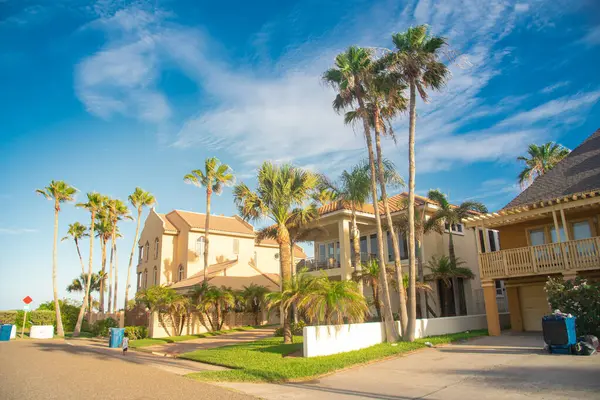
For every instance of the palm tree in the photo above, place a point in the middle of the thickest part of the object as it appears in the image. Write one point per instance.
(77, 231)
(215, 301)
(370, 275)
(213, 178)
(280, 190)
(444, 269)
(352, 77)
(94, 204)
(166, 302)
(117, 210)
(255, 299)
(59, 192)
(79, 285)
(332, 302)
(103, 227)
(540, 160)
(416, 59)
(138, 200)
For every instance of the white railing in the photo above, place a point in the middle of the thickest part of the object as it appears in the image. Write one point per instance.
(543, 259)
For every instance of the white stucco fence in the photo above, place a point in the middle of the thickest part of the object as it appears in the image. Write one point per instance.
(328, 339)
(41, 332)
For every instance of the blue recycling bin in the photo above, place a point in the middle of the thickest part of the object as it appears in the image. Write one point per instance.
(5, 331)
(116, 337)
(559, 333)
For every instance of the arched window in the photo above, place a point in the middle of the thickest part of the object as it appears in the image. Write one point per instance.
(140, 254)
(139, 279)
(146, 251)
(155, 276)
(200, 246)
(155, 248)
(180, 273)
(145, 278)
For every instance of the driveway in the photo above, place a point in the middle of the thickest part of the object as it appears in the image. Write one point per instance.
(505, 367)
(173, 349)
(68, 370)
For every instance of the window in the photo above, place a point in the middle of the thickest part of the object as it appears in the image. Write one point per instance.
(364, 251)
(492, 238)
(155, 280)
(456, 228)
(146, 251)
(236, 246)
(322, 254)
(200, 246)
(255, 258)
(156, 248)
(180, 273)
(139, 279)
(337, 252)
(499, 288)
(537, 237)
(556, 239)
(145, 278)
(141, 252)
(581, 230)
(482, 241)
(402, 243)
(374, 245)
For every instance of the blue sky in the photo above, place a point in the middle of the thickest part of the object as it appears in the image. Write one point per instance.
(110, 95)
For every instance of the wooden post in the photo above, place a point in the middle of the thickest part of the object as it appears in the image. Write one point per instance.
(564, 224)
(23, 327)
(560, 240)
(491, 308)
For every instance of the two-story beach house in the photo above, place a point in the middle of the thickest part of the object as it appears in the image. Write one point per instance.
(550, 229)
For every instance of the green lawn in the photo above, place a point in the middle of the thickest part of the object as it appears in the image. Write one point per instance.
(265, 361)
(174, 339)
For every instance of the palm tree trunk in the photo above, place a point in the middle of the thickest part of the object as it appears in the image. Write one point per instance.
(412, 292)
(59, 325)
(110, 271)
(423, 295)
(116, 277)
(137, 231)
(88, 281)
(80, 258)
(376, 301)
(388, 317)
(356, 263)
(206, 228)
(388, 215)
(103, 243)
(283, 239)
(451, 251)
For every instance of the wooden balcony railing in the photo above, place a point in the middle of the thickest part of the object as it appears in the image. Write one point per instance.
(544, 259)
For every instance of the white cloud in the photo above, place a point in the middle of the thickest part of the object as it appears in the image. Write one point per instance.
(521, 7)
(592, 37)
(556, 86)
(16, 231)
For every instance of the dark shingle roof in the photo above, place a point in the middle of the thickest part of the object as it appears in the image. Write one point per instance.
(576, 173)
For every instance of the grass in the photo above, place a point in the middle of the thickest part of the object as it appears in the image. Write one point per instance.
(138, 343)
(265, 361)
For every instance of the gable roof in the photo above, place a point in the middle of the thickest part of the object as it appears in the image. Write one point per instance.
(217, 222)
(578, 172)
(198, 277)
(396, 203)
(298, 251)
(169, 227)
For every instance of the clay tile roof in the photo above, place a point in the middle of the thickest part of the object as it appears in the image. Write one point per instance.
(198, 277)
(168, 225)
(578, 172)
(298, 251)
(396, 203)
(217, 222)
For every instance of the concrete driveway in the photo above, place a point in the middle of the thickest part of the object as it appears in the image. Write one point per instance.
(505, 367)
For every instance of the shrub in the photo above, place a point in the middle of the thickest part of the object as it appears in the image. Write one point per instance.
(8, 317)
(37, 317)
(68, 312)
(579, 298)
(136, 332)
(100, 328)
(296, 329)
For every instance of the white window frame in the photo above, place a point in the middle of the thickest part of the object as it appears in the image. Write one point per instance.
(145, 278)
(155, 275)
(180, 273)
(454, 228)
(146, 251)
(156, 243)
(200, 246)
(236, 247)
(500, 289)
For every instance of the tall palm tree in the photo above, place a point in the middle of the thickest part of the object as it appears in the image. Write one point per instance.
(213, 178)
(370, 274)
(117, 210)
(417, 60)
(352, 77)
(138, 200)
(77, 231)
(540, 160)
(103, 227)
(280, 190)
(255, 299)
(58, 192)
(79, 285)
(448, 271)
(95, 202)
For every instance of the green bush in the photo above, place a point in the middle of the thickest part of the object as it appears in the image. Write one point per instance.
(100, 328)
(69, 313)
(579, 298)
(8, 317)
(136, 332)
(37, 317)
(296, 329)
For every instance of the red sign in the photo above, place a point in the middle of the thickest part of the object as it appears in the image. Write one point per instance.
(27, 300)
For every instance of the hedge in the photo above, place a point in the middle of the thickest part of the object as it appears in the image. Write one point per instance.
(8, 317)
(580, 298)
(136, 332)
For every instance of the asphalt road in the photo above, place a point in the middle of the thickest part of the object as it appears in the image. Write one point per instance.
(55, 369)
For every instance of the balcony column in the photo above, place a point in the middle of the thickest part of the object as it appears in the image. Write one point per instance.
(514, 308)
(345, 254)
(564, 224)
(491, 308)
(561, 243)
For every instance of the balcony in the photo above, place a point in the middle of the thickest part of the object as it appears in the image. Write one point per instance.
(319, 265)
(574, 255)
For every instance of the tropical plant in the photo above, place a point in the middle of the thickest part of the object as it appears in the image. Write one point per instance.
(117, 210)
(213, 178)
(255, 299)
(539, 160)
(444, 269)
(166, 302)
(280, 191)
(59, 192)
(77, 231)
(138, 200)
(103, 228)
(352, 77)
(370, 274)
(94, 204)
(79, 285)
(214, 303)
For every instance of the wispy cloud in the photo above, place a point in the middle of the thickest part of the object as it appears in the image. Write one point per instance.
(556, 86)
(16, 231)
(591, 37)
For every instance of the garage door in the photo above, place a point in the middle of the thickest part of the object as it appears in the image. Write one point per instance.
(533, 306)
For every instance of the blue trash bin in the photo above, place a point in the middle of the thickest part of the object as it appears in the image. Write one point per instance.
(116, 337)
(5, 331)
(559, 333)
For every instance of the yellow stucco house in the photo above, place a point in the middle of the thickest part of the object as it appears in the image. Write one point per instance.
(332, 253)
(550, 229)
